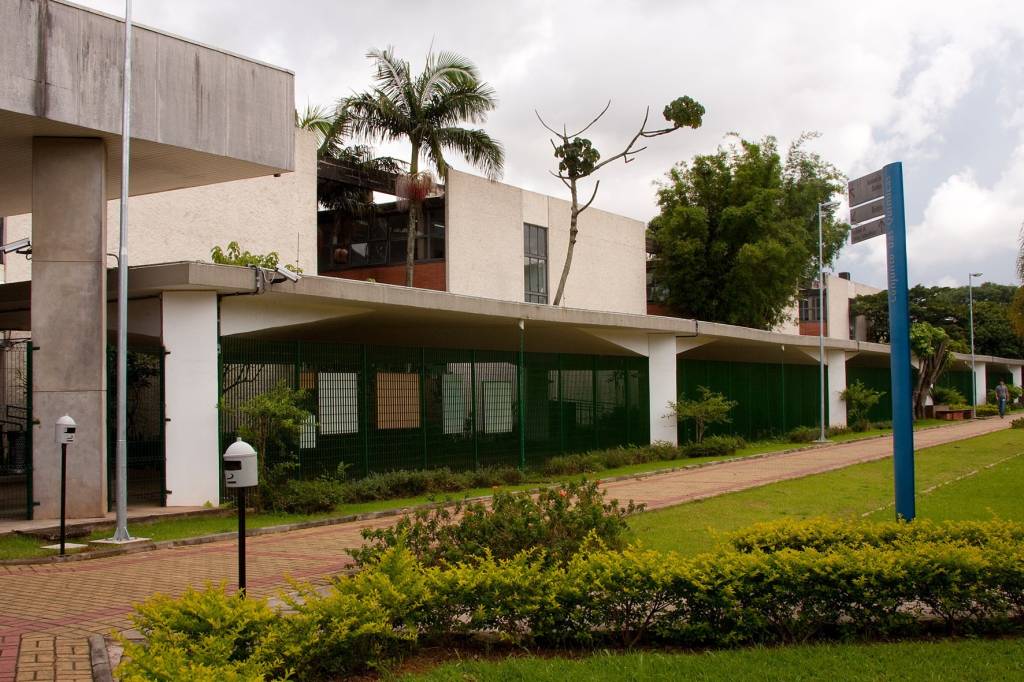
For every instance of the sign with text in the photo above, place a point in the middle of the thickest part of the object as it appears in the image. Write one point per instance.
(866, 212)
(866, 188)
(860, 233)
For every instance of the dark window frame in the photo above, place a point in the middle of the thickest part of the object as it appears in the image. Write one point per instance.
(535, 253)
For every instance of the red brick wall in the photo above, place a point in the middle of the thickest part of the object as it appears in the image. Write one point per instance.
(425, 275)
(811, 329)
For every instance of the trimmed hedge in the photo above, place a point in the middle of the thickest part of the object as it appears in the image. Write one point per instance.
(601, 597)
(826, 534)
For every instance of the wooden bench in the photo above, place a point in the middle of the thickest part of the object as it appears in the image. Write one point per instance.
(953, 415)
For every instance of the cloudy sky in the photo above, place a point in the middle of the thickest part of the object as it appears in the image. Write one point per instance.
(937, 85)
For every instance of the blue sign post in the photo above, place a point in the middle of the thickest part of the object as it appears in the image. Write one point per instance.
(899, 341)
(876, 204)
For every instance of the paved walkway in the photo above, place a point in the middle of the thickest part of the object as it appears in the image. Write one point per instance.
(48, 610)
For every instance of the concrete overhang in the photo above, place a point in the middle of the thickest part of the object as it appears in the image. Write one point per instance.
(199, 115)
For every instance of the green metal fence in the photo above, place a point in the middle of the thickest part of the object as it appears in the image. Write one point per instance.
(994, 376)
(381, 408)
(772, 398)
(16, 430)
(145, 427)
(878, 379)
(960, 380)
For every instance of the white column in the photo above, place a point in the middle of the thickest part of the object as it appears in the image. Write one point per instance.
(661, 357)
(1015, 375)
(836, 361)
(190, 390)
(980, 383)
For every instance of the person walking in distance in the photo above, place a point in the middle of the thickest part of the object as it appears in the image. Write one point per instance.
(1002, 395)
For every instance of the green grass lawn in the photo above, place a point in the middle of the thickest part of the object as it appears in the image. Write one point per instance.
(853, 491)
(959, 660)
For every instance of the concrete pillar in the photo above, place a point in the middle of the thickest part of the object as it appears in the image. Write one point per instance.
(836, 368)
(69, 253)
(190, 394)
(980, 382)
(1015, 375)
(661, 359)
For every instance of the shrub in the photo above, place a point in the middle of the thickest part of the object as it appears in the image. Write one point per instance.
(944, 395)
(203, 635)
(1017, 423)
(793, 583)
(714, 446)
(710, 408)
(803, 434)
(986, 411)
(827, 534)
(296, 496)
(859, 401)
(838, 431)
(558, 519)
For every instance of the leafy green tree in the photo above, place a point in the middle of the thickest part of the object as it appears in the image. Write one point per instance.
(859, 400)
(931, 346)
(427, 110)
(737, 234)
(947, 308)
(234, 255)
(272, 423)
(710, 408)
(579, 159)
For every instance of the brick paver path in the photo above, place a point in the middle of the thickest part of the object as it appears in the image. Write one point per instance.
(48, 610)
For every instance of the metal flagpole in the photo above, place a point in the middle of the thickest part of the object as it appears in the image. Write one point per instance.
(121, 534)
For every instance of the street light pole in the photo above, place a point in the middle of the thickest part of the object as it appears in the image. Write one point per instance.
(970, 309)
(822, 438)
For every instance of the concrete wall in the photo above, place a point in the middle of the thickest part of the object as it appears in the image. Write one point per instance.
(262, 214)
(62, 62)
(485, 247)
(190, 391)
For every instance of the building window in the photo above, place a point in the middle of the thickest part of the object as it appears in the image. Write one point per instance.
(809, 305)
(377, 237)
(535, 267)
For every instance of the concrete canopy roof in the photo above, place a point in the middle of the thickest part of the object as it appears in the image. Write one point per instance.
(199, 115)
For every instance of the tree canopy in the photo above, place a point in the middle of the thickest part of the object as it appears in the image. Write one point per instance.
(427, 109)
(737, 234)
(947, 309)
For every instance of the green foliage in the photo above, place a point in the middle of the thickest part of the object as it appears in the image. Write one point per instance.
(713, 446)
(783, 583)
(1017, 423)
(803, 434)
(859, 400)
(947, 308)
(272, 423)
(737, 234)
(577, 159)
(826, 534)
(986, 410)
(234, 255)
(559, 519)
(684, 112)
(203, 635)
(710, 408)
(944, 395)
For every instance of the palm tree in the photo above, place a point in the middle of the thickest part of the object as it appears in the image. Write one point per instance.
(427, 110)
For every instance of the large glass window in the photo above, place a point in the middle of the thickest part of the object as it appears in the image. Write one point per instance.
(378, 237)
(535, 267)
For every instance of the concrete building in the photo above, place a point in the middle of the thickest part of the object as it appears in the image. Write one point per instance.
(472, 368)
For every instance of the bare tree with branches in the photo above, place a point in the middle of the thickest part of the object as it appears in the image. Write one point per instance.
(578, 159)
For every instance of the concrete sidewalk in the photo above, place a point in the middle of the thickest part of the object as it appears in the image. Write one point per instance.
(50, 609)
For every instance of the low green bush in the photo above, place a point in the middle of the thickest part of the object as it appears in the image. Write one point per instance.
(599, 460)
(986, 411)
(714, 446)
(944, 395)
(826, 534)
(803, 434)
(1017, 423)
(559, 519)
(863, 582)
(297, 496)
